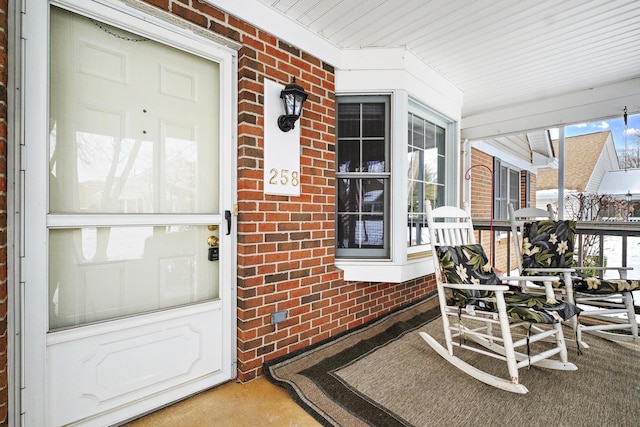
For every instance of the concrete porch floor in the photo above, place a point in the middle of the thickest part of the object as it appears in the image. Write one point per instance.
(256, 403)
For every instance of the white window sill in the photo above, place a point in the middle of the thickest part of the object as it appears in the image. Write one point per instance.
(385, 271)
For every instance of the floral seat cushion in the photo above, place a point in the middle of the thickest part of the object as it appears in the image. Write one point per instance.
(594, 285)
(469, 264)
(549, 244)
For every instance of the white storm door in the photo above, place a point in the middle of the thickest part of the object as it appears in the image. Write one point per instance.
(139, 309)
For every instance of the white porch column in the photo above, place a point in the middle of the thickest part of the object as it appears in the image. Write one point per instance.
(561, 172)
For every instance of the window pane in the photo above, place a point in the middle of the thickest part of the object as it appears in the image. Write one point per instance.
(429, 135)
(425, 174)
(361, 205)
(418, 231)
(514, 188)
(109, 272)
(373, 120)
(373, 195)
(371, 232)
(414, 164)
(440, 139)
(440, 194)
(348, 155)
(346, 231)
(504, 179)
(373, 155)
(348, 197)
(431, 193)
(417, 136)
(349, 122)
(413, 204)
(431, 158)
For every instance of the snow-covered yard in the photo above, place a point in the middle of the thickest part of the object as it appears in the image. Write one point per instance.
(613, 255)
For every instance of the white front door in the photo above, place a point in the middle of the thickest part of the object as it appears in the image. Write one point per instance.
(129, 265)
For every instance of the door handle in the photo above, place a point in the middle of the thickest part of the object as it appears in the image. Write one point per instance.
(227, 217)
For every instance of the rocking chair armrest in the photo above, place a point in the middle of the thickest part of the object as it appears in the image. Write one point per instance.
(622, 271)
(531, 278)
(546, 281)
(604, 268)
(471, 286)
(551, 270)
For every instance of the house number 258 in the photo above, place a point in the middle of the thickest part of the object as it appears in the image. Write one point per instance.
(283, 177)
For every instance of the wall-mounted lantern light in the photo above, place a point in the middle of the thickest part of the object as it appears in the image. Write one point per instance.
(293, 96)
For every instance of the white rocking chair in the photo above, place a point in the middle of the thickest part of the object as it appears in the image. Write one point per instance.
(470, 292)
(607, 303)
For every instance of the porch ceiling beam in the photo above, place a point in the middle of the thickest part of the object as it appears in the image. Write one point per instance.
(592, 104)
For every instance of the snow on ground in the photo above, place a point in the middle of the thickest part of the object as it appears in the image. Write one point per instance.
(613, 256)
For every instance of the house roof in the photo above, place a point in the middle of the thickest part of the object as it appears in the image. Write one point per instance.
(621, 182)
(581, 156)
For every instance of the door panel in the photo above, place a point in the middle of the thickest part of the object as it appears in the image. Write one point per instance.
(116, 364)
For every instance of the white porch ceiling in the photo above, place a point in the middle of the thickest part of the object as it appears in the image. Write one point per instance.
(501, 53)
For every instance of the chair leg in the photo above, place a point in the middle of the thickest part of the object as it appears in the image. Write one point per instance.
(571, 298)
(507, 341)
(631, 313)
(564, 357)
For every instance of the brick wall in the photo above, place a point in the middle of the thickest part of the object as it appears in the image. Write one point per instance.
(286, 244)
(481, 182)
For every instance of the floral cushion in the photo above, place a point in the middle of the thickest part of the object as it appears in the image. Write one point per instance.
(549, 244)
(594, 285)
(469, 264)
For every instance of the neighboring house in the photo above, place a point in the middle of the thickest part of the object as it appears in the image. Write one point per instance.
(624, 184)
(510, 164)
(588, 159)
(621, 183)
(514, 160)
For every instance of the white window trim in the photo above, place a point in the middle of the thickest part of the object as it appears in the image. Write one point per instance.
(382, 272)
(404, 264)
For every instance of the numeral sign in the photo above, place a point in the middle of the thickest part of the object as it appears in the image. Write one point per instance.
(284, 177)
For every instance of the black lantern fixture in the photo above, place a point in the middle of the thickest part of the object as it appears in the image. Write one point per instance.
(293, 96)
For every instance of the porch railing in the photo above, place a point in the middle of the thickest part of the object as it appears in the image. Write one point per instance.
(623, 239)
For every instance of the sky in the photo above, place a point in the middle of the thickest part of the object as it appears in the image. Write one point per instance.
(616, 126)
